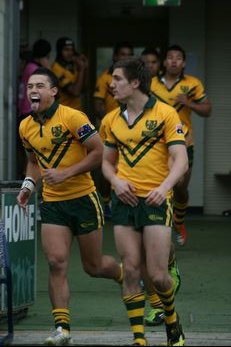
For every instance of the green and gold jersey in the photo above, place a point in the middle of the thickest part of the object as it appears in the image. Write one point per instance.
(66, 77)
(58, 143)
(143, 146)
(103, 91)
(189, 85)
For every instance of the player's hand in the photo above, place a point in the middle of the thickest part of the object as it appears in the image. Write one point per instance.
(23, 198)
(125, 192)
(182, 99)
(156, 197)
(54, 176)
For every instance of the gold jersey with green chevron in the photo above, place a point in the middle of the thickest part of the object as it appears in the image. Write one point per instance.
(143, 146)
(66, 77)
(186, 84)
(103, 90)
(58, 144)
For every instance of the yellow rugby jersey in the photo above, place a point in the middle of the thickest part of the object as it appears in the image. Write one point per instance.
(103, 91)
(58, 144)
(143, 146)
(189, 85)
(65, 77)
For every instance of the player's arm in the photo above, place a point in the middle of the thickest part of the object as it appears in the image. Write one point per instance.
(78, 85)
(202, 108)
(123, 189)
(178, 167)
(110, 157)
(32, 176)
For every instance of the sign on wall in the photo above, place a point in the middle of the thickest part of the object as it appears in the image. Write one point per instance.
(20, 232)
(161, 2)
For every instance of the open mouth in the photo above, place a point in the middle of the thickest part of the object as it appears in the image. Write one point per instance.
(35, 101)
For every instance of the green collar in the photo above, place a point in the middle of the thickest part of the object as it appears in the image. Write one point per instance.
(49, 113)
(149, 104)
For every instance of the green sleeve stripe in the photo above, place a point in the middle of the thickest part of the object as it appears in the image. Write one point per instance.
(177, 142)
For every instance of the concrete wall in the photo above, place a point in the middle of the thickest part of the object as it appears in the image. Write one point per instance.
(188, 22)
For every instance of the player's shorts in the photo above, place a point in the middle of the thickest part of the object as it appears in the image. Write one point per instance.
(141, 215)
(82, 215)
(190, 152)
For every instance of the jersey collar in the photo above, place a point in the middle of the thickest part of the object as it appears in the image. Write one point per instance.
(149, 104)
(49, 113)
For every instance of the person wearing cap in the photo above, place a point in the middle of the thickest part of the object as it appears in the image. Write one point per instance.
(70, 68)
(40, 58)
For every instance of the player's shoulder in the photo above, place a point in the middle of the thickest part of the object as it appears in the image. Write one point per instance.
(69, 112)
(164, 108)
(191, 78)
(110, 116)
(105, 74)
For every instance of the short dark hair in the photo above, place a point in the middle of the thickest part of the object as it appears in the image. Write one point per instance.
(176, 48)
(122, 44)
(151, 50)
(62, 42)
(52, 77)
(41, 48)
(135, 68)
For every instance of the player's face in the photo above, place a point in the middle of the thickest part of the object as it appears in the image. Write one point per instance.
(68, 53)
(152, 63)
(174, 63)
(40, 93)
(124, 52)
(121, 87)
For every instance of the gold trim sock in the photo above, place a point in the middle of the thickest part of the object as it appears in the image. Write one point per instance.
(180, 210)
(135, 310)
(62, 318)
(155, 301)
(167, 299)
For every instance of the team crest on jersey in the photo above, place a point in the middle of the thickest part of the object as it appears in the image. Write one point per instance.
(151, 126)
(184, 89)
(57, 133)
(179, 129)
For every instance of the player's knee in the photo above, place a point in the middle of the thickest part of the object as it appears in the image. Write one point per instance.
(161, 281)
(57, 264)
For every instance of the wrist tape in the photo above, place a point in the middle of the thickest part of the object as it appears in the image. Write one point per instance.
(29, 184)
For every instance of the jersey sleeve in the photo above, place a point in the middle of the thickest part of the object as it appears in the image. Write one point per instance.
(105, 132)
(174, 133)
(80, 126)
(199, 92)
(64, 76)
(22, 132)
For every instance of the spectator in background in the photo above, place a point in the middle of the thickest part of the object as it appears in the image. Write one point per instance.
(104, 101)
(151, 57)
(70, 67)
(40, 58)
(186, 94)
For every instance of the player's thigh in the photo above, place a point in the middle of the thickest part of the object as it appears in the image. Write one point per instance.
(90, 246)
(128, 243)
(157, 244)
(56, 241)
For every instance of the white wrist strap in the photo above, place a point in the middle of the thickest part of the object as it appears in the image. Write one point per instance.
(29, 184)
